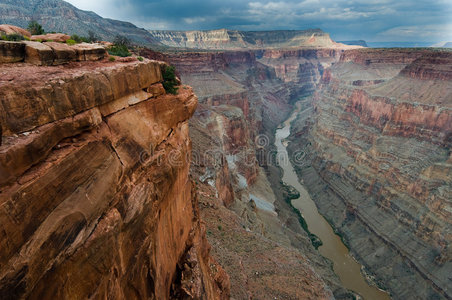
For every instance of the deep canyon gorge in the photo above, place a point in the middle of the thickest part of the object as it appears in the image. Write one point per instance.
(371, 145)
(286, 166)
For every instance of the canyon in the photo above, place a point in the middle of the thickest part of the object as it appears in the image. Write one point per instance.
(283, 155)
(371, 146)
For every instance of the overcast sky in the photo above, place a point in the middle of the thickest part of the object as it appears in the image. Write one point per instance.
(371, 20)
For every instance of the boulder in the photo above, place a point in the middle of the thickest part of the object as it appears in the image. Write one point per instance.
(54, 37)
(38, 54)
(11, 29)
(11, 52)
(63, 53)
(85, 51)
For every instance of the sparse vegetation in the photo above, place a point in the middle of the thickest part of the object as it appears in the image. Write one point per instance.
(169, 79)
(92, 38)
(120, 47)
(71, 42)
(111, 58)
(35, 28)
(15, 37)
(121, 51)
(140, 58)
(79, 39)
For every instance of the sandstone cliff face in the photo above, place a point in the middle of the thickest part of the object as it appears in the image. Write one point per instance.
(96, 199)
(377, 135)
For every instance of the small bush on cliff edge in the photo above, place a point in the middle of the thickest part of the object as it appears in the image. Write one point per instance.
(169, 79)
(120, 46)
(15, 37)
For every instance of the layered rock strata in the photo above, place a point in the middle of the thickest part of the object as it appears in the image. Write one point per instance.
(49, 53)
(224, 39)
(95, 195)
(243, 98)
(375, 141)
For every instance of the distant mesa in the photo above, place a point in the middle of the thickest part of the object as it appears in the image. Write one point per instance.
(224, 39)
(442, 45)
(355, 43)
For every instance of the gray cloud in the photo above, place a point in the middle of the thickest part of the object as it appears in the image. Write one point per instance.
(373, 20)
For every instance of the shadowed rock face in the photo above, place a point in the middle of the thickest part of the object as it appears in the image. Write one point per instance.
(379, 165)
(96, 200)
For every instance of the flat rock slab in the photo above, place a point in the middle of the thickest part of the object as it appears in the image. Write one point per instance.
(11, 29)
(11, 52)
(85, 51)
(54, 37)
(38, 54)
(63, 53)
(31, 96)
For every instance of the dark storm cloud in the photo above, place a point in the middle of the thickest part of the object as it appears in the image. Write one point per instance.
(384, 20)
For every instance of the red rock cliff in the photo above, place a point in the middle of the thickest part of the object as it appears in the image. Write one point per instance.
(95, 195)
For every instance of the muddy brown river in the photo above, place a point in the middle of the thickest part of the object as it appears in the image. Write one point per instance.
(348, 270)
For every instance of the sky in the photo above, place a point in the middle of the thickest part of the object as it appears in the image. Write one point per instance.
(371, 20)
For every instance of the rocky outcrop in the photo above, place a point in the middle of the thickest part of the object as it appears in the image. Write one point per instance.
(51, 37)
(96, 199)
(11, 52)
(11, 29)
(49, 53)
(377, 134)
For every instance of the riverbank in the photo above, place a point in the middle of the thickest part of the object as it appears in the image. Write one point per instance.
(348, 270)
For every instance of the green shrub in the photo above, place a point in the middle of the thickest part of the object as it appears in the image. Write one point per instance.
(111, 58)
(71, 42)
(140, 58)
(119, 50)
(15, 37)
(79, 39)
(35, 28)
(169, 79)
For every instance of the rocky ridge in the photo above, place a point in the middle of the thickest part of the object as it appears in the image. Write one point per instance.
(96, 199)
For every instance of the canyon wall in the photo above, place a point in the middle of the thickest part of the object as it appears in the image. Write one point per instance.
(95, 194)
(372, 146)
(243, 97)
(224, 39)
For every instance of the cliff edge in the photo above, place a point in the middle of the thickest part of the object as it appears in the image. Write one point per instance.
(95, 195)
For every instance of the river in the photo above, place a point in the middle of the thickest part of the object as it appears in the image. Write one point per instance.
(348, 270)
